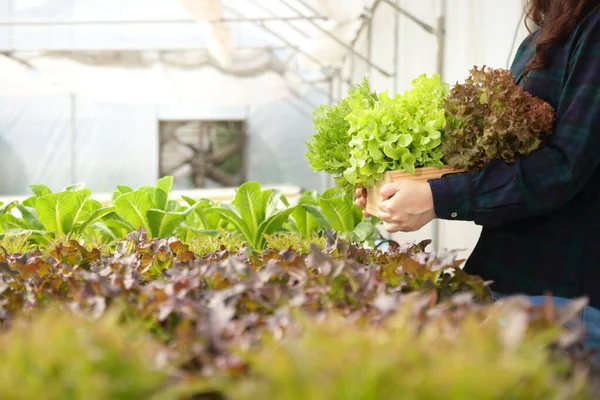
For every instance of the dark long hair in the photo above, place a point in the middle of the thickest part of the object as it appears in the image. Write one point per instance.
(557, 19)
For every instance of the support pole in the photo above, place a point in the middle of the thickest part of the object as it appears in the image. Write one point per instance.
(11, 29)
(73, 139)
(396, 49)
(327, 179)
(441, 39)
(366, 23)
(370, 44)
(425, 26)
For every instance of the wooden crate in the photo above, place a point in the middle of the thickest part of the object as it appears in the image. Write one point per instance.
(422, 174)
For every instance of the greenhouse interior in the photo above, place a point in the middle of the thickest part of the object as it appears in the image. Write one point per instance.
(299, 199)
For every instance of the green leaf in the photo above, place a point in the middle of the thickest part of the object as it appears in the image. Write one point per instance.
(363, 231)
(200, 219)
(165, 184)
(149, 190)
(167, 223)
(206, 221)
(163, 224)
(284, 200)
(189, 200)
(94, 217)
(89, 207)
(5, 208)
(40, 190)
(33, 235)
(162, 192)
(81, 198)
(405, 140)
(59, 211)
(229, 213)
(315, 211)
(132, 207)
(274, 199)
(251, 204)
(357, 214)
(106, 233)
(160, 199)
(271, 225)
(338, 210)
(75, 187)
(29, 202)
(173, 205)
(121, 190)
(117, 224)
(30, 216)
(124, 189)
(10, 222)
(305, 223)
(307, 216)
(309, 197)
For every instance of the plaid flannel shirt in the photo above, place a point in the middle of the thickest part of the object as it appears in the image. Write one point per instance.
(541, 214)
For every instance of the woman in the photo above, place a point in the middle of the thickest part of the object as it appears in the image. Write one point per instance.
(540, 215)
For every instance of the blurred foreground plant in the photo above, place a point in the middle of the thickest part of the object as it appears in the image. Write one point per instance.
(57, 355)
(457, 350)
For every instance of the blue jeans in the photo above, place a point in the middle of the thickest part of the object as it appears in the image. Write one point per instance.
(591, 320)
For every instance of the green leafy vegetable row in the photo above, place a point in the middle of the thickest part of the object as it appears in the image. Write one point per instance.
(254, 215)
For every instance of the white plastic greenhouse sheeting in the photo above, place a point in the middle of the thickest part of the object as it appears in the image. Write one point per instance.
(117, 143)
(107, 133)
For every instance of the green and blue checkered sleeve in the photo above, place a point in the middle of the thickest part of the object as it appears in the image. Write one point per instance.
(550, 177)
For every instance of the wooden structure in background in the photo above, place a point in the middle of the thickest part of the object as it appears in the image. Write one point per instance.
(202, 154)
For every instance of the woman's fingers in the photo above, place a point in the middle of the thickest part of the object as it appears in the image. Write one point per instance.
(359, 192)
(360, 202)
(390, 189)
(384, 216)
(392, 227)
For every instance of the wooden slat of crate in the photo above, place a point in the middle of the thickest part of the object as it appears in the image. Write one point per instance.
(421, 174)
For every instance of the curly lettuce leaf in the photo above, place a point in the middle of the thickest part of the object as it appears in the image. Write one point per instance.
(490, 117)
(328, 148)
(400, 133)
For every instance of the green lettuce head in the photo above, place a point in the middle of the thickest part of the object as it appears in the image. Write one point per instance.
(400, 133)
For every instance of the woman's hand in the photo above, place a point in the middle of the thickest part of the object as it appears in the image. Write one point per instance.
(361, 200)
(406, 206)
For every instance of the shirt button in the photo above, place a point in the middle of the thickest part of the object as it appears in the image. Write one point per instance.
(454, 215)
